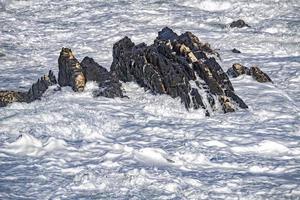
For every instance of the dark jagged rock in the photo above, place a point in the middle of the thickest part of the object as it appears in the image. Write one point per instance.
(2, 55)
(259, 75)
(109, 85)
(238, 69)
(235, 51)
(35, 92)
(167, 34)
(70, 71)
(37, 89)
(238, 24)
(180, 66)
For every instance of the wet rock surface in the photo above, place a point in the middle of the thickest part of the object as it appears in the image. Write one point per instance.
(180, 66)
(259, 75)
(235, 50)
(238, 24)
(8, 97)
(70, 71)
(256, 73)
(109, 85)
(35, 92)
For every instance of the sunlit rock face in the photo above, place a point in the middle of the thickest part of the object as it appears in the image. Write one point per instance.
(35, 92)
(109, 85)
(180, 66)
(70, 71)
(256, 73)
(8, 97)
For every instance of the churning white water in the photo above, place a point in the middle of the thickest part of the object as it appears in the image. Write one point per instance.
(73, 146)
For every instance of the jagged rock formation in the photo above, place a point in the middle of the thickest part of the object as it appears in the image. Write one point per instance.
(109, 85)
(75, 74)
(180, 66)
(35, 92)
(238, 69)
(238, 24)
(70, 71)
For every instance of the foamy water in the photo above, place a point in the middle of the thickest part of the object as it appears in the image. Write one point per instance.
(73, 146)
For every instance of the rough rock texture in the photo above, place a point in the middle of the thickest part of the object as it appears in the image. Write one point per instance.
(8, 97)
(70, 71)
(259, 75)
(180, 66)
(109, 85)
(238, 69)
(35, 92)
(238, 24)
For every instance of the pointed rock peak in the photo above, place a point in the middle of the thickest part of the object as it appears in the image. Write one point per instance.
(70, 71)
(66, 52)
(52, 77)
(167, 34)
(178, 68)
(126, 41)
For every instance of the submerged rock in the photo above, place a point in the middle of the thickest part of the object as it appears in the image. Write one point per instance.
(238, 24)
(70, 71)
(258, 75)
(235, 51)
(180, 66)
(35, 92)
(109, 85)
(237, 70)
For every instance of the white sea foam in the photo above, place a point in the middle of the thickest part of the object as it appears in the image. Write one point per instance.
(73, 146)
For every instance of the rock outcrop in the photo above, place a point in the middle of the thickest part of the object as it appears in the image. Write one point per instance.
(180, 66)
(35, 92)
(238, 24)
(258, 75)
(109, 85)
(70, 71)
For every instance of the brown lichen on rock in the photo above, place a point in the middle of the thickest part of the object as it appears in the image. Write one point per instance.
(180, 66)
(70, 71)
(256, 73)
